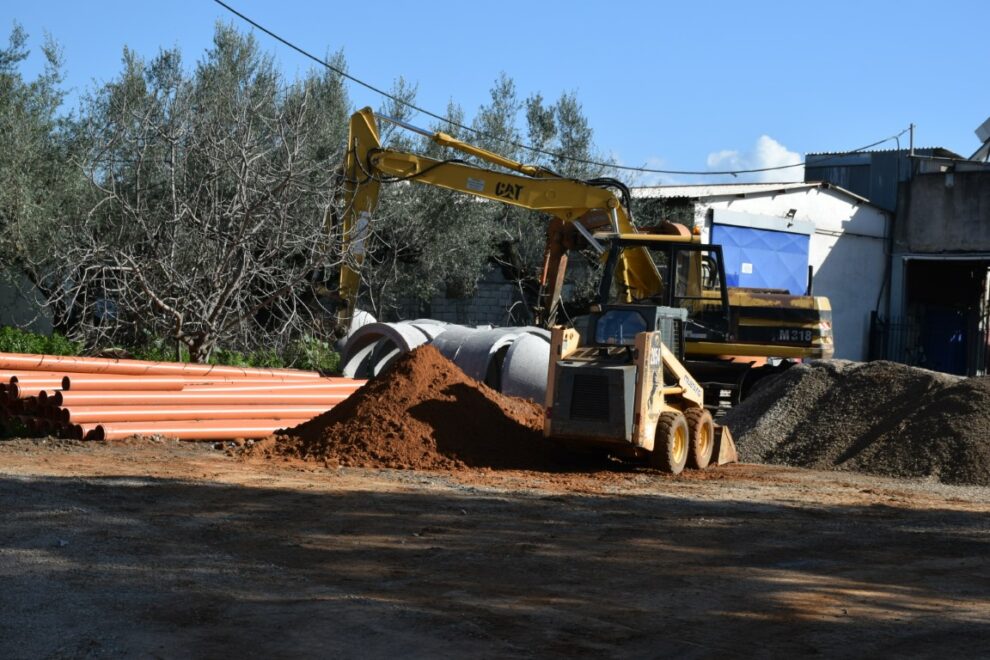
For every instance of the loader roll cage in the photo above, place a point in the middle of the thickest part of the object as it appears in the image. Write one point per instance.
(709, 301)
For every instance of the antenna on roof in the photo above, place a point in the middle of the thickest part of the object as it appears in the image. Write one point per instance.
(983, 133)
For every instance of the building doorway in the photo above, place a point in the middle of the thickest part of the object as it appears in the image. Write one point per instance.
(947, 309)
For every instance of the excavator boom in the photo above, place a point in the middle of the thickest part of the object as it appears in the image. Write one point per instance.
(569, 201)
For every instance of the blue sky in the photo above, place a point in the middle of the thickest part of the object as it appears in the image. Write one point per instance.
(686, 85)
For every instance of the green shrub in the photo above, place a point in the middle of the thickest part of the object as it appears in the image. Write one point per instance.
(263, 359)
(307, 352)
(158, 350)
(15, 340)
(312, 354)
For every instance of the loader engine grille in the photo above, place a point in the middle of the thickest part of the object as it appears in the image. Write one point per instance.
(590, 397)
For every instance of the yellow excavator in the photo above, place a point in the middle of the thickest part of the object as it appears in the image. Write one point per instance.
(730, 333)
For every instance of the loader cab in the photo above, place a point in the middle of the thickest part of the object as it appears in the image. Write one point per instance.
(618, 324)
(692, 276)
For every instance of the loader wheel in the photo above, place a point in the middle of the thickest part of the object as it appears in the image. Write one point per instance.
(670, 446)
(702, 430)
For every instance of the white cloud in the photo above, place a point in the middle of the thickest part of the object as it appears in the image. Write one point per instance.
(767, 152)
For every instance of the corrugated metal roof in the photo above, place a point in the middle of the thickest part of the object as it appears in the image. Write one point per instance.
(938, 152)
(698, 191)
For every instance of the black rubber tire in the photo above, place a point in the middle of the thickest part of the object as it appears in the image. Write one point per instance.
(702, 430)
(671, 443)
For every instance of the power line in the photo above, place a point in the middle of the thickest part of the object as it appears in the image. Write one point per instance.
(519, 145)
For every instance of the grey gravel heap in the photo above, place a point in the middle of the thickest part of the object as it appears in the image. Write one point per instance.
(876, 417)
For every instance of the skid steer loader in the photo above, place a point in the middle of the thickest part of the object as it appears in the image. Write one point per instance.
(616, 383)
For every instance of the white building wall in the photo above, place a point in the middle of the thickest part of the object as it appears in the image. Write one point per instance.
(847, 250)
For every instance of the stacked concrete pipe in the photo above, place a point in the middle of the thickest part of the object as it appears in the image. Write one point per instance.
(510, 360)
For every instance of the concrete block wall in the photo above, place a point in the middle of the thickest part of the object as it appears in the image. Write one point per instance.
(490, 305)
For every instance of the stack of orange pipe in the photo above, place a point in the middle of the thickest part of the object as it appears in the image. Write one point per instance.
(107, 399)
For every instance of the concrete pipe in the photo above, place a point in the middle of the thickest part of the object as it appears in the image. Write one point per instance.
(524, 370)
(482, 351)
(371, 341)
(360, 319)
(450, 341)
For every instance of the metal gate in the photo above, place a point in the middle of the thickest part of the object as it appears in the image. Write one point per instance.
(952, 343)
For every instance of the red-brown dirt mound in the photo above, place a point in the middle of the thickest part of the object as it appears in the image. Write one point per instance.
(423, 413)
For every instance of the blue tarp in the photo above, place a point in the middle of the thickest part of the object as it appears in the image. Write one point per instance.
(763, 258)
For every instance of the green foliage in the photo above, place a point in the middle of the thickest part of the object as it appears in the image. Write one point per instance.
(172, 182)
(651, 211)
(211, 189)
(37, 182)
(304, 353)
(313, 354)
(264, 358)
(158, 350)
(15, 340)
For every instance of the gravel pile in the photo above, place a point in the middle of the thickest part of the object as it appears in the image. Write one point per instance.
(877, 417)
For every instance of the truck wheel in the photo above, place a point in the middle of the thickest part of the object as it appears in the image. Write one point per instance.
(702, 431)
(670, 446)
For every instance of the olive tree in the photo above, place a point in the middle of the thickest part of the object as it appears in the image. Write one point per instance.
(37, 180)
(209, 194)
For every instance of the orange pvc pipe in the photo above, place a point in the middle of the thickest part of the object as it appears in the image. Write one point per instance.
(252, 380)
(277, 387)
(100, 414)
(15, 376)
(268, 382)
(87, 382)
(70, 399)
(215, 430)
(39, 427)
(25, 388)
(17, 392)
(29, 362)
(53, 381)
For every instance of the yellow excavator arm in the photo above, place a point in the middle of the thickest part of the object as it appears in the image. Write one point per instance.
(569, 201)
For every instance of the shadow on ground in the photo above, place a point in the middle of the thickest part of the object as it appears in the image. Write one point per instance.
(132, 566)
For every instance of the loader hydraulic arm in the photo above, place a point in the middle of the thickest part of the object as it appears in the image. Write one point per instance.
(568, 201)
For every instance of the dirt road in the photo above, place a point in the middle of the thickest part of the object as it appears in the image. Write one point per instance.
(179, 550)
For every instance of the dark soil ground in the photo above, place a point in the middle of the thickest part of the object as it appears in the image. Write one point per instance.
(165, 549)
